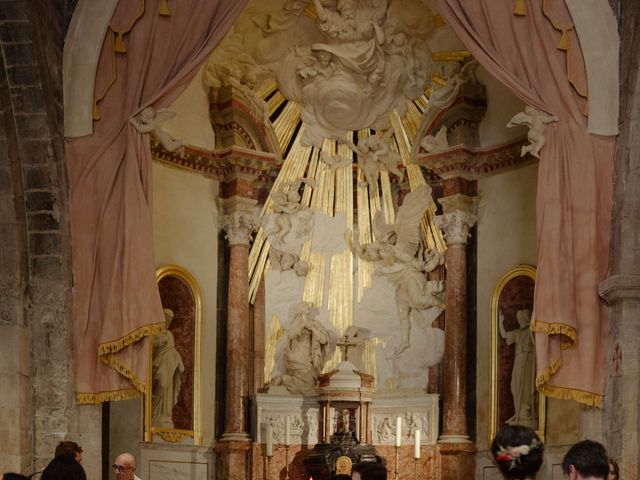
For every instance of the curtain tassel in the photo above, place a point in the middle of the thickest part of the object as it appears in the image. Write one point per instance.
(95, 114)
(563, 44)
(520, 9)
(119, 47)
(164, 8)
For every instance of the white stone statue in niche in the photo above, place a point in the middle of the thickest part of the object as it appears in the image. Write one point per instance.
(167, 368)
(536, 121)
(306, 347)
(523, 375)
(399, 256)
(375, 156)
(436, 143)
(150, 120)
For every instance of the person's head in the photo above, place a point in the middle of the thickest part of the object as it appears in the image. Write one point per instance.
(586, 460)
(614, 470)
(64, 467)
(13, 476)
(517, 451)
(67, 447)
(369, 471)
(124, 466)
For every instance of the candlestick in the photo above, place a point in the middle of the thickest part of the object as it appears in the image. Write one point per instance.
(269, 440)
(287, 430)
(286, 462)
(416, 449)
(398, 431)
(395, 469)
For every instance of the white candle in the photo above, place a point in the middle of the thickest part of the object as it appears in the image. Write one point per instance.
(398, 431)
(330, 423)
(269, 440)
(287, 430)
(416, 449)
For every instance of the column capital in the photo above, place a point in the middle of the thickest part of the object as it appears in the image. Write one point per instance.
(456, 225)
(239, 225)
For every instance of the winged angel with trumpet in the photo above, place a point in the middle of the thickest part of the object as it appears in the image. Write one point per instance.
(399, 255)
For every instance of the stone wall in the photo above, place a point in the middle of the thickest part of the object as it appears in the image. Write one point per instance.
(35, 279)
(618, 424)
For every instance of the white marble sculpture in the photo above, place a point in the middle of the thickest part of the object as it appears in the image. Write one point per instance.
(375, 156)
(536, 121)
(288, 228)
(232, 66)
(456, 75)
(523, 374)
(150, 120)
(398, 255)
(304, 350)
(167, 368)
(436, 143)
(349, 70)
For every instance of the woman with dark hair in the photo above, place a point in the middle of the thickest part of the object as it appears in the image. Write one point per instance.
(13, 476)
(64, 467)
(517, 451)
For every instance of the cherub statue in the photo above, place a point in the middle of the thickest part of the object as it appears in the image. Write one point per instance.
(283, 261)
(375, 156)
(150, 120)
(536, 121)
(399, 256)
(436, 143)
(320, 65)
(290, 223)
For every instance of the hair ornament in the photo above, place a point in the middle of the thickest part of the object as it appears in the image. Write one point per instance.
(513, 454)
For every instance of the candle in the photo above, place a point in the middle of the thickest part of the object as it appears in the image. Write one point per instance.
(269, 440)
(287, 430)
(416, 449)
(398, 431)
(330, 422)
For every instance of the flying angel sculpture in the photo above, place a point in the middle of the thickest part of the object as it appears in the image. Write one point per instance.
(398, 254)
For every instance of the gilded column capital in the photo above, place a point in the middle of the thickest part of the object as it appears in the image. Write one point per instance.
(239, 226)
(456, 225)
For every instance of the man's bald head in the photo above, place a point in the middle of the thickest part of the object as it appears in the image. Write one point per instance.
(124, 466)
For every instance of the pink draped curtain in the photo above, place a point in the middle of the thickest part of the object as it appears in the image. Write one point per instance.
(574, 182)
(116, 300)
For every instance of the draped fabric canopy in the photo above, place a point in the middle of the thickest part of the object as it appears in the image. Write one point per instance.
(150, 54)
(534, 51)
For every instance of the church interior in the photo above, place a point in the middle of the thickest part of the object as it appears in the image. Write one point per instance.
(273, 239)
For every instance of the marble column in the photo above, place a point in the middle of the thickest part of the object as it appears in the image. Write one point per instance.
(456, 225)
(456, 452)
(235, 442)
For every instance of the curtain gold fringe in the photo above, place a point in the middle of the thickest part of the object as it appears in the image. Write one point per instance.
(587, 398)
(101, 397)
(125, 371)
(543, 377)
(164, 8)
(119, 344)
(520, 8)
(555, 329)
